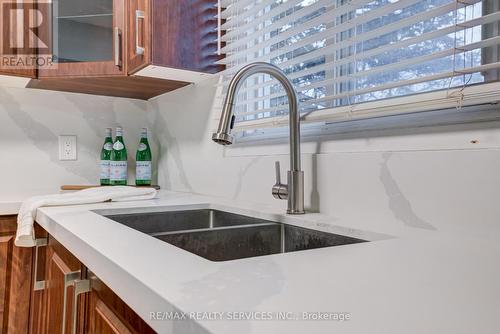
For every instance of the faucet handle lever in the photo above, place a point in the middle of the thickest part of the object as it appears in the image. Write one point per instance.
(280, 190)
(278, 172)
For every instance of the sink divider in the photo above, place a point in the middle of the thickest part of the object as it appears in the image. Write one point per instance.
(218, 228)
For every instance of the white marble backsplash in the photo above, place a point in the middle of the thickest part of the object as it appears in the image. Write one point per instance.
(427, 180)
(30, 123)
(430, 180)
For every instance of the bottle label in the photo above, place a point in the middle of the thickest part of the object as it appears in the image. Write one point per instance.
(118, 146)
(108, 146)
(105, 165)
(118, 171)
(143, 170)
(142, 147)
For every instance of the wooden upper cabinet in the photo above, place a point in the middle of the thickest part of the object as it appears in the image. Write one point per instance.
(95, 38)
(185, 35)
(125, 48)
(17, 43)
(87, 38)
(177, 39)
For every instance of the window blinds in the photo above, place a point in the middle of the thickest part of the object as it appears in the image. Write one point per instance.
(347, 58)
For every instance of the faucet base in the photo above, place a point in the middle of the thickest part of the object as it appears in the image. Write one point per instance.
(290, 212)
(295, 192)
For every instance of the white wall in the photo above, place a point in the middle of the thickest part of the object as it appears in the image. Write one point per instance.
(30, 122)
(445, 178)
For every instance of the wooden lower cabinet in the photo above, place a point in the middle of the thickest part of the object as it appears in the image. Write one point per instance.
(47, 290)
(62, 271)
(74, 300)
(102, 319)
(15, 279)
(107, 313)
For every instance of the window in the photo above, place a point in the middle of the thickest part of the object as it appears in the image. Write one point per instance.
(360, 58)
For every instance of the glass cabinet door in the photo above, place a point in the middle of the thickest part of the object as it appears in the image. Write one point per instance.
(82, 31)
(86, 37)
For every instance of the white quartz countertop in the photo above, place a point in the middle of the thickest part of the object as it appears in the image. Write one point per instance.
(9, 208)
(406, 280)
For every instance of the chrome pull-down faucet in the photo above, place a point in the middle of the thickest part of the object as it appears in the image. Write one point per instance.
(294, 190)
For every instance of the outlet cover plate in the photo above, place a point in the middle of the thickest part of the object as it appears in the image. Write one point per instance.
(67, 147)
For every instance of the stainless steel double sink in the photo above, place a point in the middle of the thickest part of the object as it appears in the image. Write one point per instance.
(222, 236)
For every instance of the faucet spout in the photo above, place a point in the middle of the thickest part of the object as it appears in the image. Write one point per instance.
(295, 188)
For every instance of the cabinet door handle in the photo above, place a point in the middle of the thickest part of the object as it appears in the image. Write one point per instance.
(80, 287)
(139, 15)
(69, 280)
(38, 285)
(118, 47)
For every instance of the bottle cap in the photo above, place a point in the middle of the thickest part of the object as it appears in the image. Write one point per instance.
(144, 132)
(119, 131)
(108, 132)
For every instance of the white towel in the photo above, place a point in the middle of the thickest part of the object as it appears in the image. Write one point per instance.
(25, 236)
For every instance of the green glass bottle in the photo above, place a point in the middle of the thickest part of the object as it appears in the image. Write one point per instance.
(118, 164)
(143, 168)
(107, 148)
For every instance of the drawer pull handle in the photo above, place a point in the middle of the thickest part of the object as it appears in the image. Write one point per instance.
(80, 287)
(69, 280)
(38, 285)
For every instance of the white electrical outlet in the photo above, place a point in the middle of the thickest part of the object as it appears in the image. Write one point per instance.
(67, 147)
